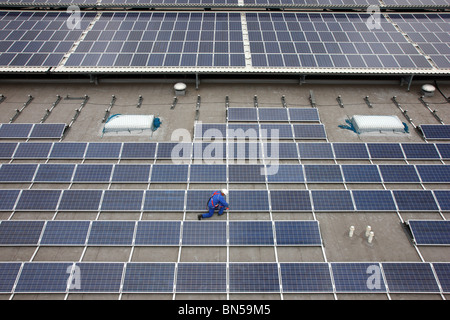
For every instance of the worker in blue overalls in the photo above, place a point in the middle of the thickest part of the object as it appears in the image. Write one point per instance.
(216, 202)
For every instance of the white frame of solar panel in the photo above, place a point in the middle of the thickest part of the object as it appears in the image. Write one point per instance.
(425, 244)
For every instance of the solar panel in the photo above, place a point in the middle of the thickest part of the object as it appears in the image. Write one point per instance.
(304, 114)
(398, 173)
(443, 274)
(65, 233)
(208, 173)
(174, 150)
(169, 173)
(209, 152)
(103, 150)
(361, 173)
(276, 131)
(306, 277)
(246, 173)
(385, 151)
(298, 233)
(358, 277)
(415, 200)
(243, 130)
(122, 200)
(248, 200)
(332, 200)
(197, 200)
(244, 233)
(281, 150)
(430, 232)
(434, 173)
(322, 173)
(410, 277)
(164, 200)
(149, 277)
(8, 199)
(13, 232)
(32, 150)
(141, 150)
(80, 200)
(93, 173)
(47, 130)
(254, 277)
(43, 277)
(444, 150)
(38, 200)
(212, 277)
(272, 114)
(131, 173)
(9, 272)
(7, 149)
(290, 200)
(242, 114)
(288, 173)
(207, 131)
(68, 150)
(315, 151)
(108, 233)
(436, 132)
(54, 172)
(99, 277)
(420, 151)
(241, 150)
(309, 131)
(443, 198)
(17, 172)
(350, 151)
(156, 233)
(374, 200)
(15, 130)
(204, 233)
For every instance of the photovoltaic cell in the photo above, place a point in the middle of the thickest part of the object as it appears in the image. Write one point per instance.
(212, 277)
(246, 173)
(276, 131)
(443, 274)
(8, 199)
(288, 173)
(39, 200)
(15, 130)
(248, 200)
(99, 277)
(360, 173)
(443, 198)
(304, 114)
(420, 151)
(80, 200)
(122, 200)
(7, 149)
(93, 173)
(290, 200)
(430, 232)
(306, 277)
(43, 277)
(444, 150)
(111, 233)
(9, 272)
(54, 172)
(206, 233)
(385, 151)
(309, 131)
(350, 151)
(240, 150)
(208, 173)
(47, 130)
(103, 150)
(242, 114)
(32, 150)
(243, 130)
(415, 200)
(68, 150)
(164, 200)
(332, 200)
(373, 200)
(174, 151)
(434, 173)
(131, 173)
(273, 114)
(298, 233)
(143, 150)
(257, 233)
(14, 232)
(149, 277)
(65, 233)
(315, 151)
(197, 200)
(17, 172)
(357, 277)
(254, 277)
(398, 173)
(154, 233)
(410, 277)
(169, 173)
(323, 173)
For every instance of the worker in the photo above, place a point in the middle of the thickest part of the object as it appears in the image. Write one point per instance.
(216, 202)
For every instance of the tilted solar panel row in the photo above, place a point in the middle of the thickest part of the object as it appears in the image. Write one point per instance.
(239, 200)
(430, 232)
(222, 173)
(320, 277)
(159, 233)
(273, 114)
(32, 130)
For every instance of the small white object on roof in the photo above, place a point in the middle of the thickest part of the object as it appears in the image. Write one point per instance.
(428, 90)
(122, 122)
(364, 124)
(180, 89)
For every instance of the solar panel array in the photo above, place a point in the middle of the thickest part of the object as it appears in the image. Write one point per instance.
(31, 130)
(320, 277)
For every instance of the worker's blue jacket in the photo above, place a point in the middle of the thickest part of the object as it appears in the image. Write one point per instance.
(217, 199)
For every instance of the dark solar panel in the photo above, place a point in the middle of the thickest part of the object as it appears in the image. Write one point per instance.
(80, 200)
(246, 173)
(143, 150)
(149, 277)
(272, 114)
(443, 198)
(248, 200)
(360, 173)
(332, 200)
(152, 233)
(298, 233)
(242, 114)
(204, 233)
(306, 277)
(197, 200)
(385, 151)
(434, 173)
(131, 173)
(169, 173)
(9, 272)
(17, 172)
(350, 151)
(100, 277)
(43, 277)
(108, 233)
(443, 274)
(415, 200)
(254, 277)
(315, 151)
(398, 173)
(212, 277)
(290, 200)
(309, 131)
(410, 277)
(14, 130)
(65, 233)
(8, 199)
(430, 232)
(323, 173)
(47, 130)
(7, 149)
(358, 277)
(38, 200)
(258, 233)
(208, 173)
(93, 173)
(54, 172)
(164, 200)
(34, 150)
(287, 173)
(20, 232)
(122, 200)
(374, 200)
(101, 150)
(68, 150)
(420, 151)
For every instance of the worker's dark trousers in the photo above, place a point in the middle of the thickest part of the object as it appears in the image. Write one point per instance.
(211, 211)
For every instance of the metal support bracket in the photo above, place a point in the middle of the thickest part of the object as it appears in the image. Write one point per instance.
(407, 80)
(312, 99)
(339, 100)
(433, 112)
(108, 111)
(255, 101)
(174, 103)
(48, 111)
(366, 99)
(197, 108)
(197, 81)
(404, 112)
(19, 111)
(283, 101)
(139, 104)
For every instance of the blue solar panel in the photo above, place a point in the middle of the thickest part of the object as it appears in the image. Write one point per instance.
(247, 173)
(304, 114)
(68, 150)
(398, 173)
(32, 150)
(385, 151)
(54, 173)
(374, 200)
(197, 200)
(17, 172)
(14, 232)
(306, 277)
(434, 173)
(276, 131)
(80, 200)
(315, 151)
(102, 150)
(15, 130)
(131, 173)
(430, 232)
(43, 277)
(240, 150)
(39, 200)
(65, 233)
(443, 274)
(122, 200)
(443, 198)
(242, 114)
(208, 173)
(272, 114)
(290, 200)
(48, 130)
(8, 199)
(309, 131)
(243, 130)
(288, 173)
(164, 200)
(358, 277)
(153, 233)
(282, 150)
(360, 173)
(410, 277)
(298, 233)
(323, 173)
(9, 272)
(149, 277)
(99, 277)
(111, 233)
(174, 151)
(248, 200)
(201, 277)
(209, 152)
(436, 132)
(444, 150)
(254, 277)
(7, 149)
(420, 151)
(169, 173)
(350, 151)
(204, 233)
(258, 233)
(142, 150)
(415, 200)
(332, 200)
(93, 173)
